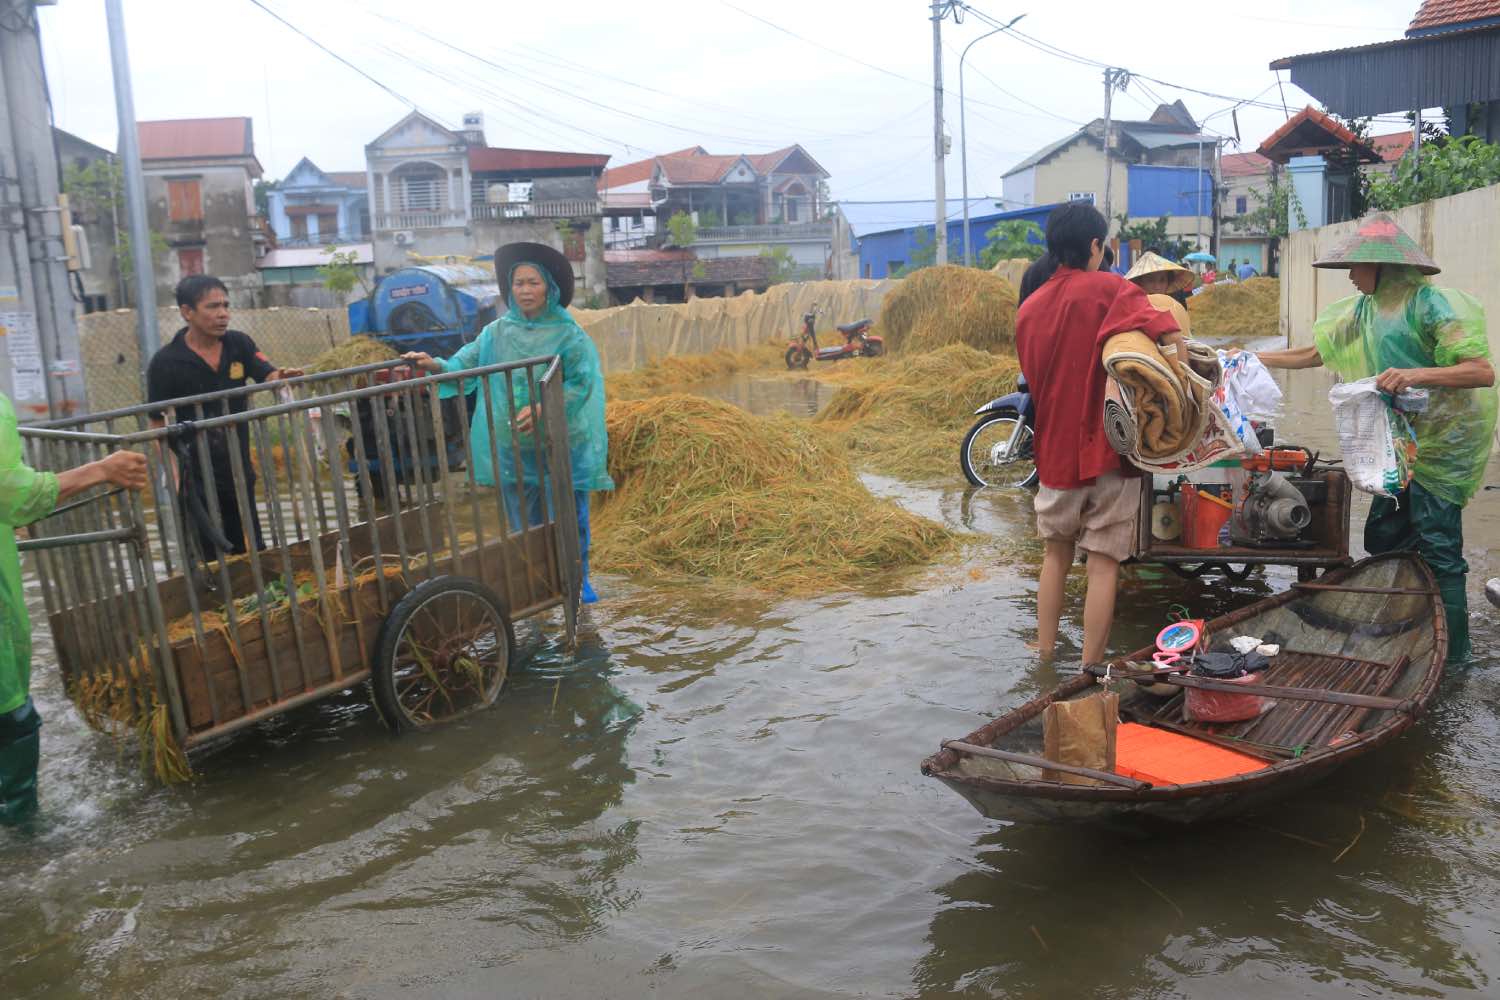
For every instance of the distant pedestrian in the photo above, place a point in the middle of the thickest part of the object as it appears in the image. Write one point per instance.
(1247, 270)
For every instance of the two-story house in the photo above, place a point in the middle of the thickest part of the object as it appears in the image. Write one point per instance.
(313, 207)
(438, 192)
(200, 175)
(1163, 166)
(745, 204)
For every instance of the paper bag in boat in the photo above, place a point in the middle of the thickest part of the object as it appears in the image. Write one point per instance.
(1081, 733)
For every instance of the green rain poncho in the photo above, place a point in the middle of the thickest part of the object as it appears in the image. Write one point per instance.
(26, 495)
(513, 337)
(1410, 323)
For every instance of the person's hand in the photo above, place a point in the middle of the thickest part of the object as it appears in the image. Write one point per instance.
(423, 360)
(1397, 380)
(124, 468)
(527, 418)
(282, 373)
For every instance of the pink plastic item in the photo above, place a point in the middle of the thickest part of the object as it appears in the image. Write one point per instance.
(1221, 706)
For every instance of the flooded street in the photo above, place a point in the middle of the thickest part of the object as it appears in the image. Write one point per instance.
(719, 796)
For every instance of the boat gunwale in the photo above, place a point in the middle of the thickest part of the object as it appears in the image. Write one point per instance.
(939, 765)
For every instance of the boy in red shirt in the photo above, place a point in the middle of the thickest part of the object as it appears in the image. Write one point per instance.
(1089, 496)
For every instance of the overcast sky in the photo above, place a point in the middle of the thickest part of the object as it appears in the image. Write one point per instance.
(851, 80)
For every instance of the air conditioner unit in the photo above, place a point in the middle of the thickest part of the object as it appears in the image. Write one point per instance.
(405, 238)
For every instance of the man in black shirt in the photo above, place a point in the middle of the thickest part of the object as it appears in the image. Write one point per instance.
(206, 356)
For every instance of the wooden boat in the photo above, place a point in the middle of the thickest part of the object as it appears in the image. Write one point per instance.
(1362, 651)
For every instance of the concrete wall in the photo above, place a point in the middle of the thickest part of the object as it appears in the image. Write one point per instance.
(1020, 187)
(488, 234)
(224, 232)
(1458, 232)
(1080, 167)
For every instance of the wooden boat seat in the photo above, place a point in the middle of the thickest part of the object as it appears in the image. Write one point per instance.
(1162, 757)
(1293, 726)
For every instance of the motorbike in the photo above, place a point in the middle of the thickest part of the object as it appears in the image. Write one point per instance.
(999, 449)
(858, 342)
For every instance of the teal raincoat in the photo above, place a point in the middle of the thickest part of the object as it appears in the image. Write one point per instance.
(513, 337)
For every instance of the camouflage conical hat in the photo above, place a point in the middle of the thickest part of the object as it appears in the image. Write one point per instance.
(1150, 263)
(1378, 240)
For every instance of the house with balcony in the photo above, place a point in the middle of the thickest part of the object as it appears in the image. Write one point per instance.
(314, 208)
(440, 192)
(745, 204)
(200, 176)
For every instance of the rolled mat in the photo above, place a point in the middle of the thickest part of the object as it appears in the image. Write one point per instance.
(1119, 422)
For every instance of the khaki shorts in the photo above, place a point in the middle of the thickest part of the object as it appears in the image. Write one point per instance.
(1100, 517)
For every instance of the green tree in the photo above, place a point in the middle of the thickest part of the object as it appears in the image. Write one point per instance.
(683, 231)
(1276, 203)
(783, 264)
(341, 273)
(1153, 235)
(1439, 170)
(261, 190)
(924, 254)
(1346, 160)
(97, 191)
(1010, 240)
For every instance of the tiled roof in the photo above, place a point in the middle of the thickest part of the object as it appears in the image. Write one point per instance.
(1310, 121)
(195, 138)
(488, 158)
(705, 169)
(1446, 13)
(1392, 147)
(1243, 164)
(631, 268)
(639, 171)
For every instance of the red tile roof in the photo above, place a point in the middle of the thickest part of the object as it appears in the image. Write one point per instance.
(1393, 146)
(1243, 164)
(1451, 13)
(635, 173)
(195, 138)
(1316, 121)
(488, 158)
(696, 169)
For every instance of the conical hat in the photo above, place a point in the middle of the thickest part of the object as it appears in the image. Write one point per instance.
(1378, 240)
(1150, 263)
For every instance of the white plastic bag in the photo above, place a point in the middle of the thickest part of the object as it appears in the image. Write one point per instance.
(1377, 443)
(1250, 385)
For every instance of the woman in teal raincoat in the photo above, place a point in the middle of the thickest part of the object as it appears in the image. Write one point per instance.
(538, 285)
(1406, 333)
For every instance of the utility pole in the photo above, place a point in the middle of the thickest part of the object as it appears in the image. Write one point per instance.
(1114, 79)
(940, 10)
(135, 190)
(39, 351)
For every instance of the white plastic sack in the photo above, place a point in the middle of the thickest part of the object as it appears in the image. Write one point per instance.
(1377, 443)
(1250, 385)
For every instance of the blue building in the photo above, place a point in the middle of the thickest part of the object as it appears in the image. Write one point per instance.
(886, 234)
(314, 207)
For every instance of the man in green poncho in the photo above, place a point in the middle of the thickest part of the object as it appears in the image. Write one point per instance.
(27, 495)
(1408, 333)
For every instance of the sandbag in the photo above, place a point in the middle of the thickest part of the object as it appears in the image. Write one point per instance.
(1081, 733)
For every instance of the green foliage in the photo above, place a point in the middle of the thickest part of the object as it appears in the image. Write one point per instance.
(261, 189)
(742, 219)
(1153, 235)
(341, 273)
(1009, 240)
(97, 192)
(924, 254)
(682, 229)
(1274, 205)
(1345, 161)
(783, 264)
(1439, 170)
(700, 270)
(709, 219)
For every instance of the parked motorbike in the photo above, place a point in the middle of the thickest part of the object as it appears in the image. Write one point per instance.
(858, 342)
(999, 449)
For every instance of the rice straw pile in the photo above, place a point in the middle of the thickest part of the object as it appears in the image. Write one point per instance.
(704, 489)
(351, 353)
(938, 306)
(1238, 312)
(681, 369)
(906, 416)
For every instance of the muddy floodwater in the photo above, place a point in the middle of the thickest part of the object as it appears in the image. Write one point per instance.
(719, 796)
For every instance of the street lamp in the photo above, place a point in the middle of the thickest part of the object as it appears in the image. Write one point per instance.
(963, 133)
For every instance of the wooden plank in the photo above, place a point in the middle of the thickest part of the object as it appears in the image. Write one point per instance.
(1293, 694)
(1342, 589)
(1050, 765)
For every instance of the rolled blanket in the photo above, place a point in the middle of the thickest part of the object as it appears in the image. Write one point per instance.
(1119, 422)
(1166, 414)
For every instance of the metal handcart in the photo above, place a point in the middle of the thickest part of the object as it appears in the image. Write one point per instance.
(409, 581)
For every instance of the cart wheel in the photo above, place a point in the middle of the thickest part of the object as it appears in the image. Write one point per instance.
(443, 651)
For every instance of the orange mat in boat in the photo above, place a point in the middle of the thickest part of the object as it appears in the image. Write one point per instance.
(1166, 758)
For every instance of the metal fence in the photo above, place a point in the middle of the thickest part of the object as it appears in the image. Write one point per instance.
(112, 366)
(352, 490)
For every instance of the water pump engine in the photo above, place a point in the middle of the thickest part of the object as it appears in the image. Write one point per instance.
(1273, 511)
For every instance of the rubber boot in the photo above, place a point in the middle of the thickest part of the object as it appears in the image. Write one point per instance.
(1456, 606)
(20, 754)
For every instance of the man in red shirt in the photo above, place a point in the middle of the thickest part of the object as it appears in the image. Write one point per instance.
(1089, 496)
